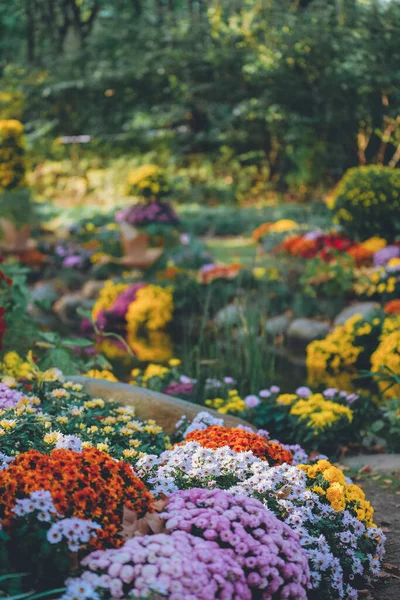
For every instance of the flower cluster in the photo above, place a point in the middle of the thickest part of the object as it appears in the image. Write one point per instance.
(168, 380)
(211, 271)
(281, 226)
(383, 282)
(334, 556)
(151, 310)
(174, 566)
(319, 413)
(241, 440)
(348, 346)
(148, 181)
(14, 366)
(74, 531)
(12, 165)
(317, 244)
(142, 214)
(366, 201)
(9, 397)
(85, 485)
(267, 549)
(392, 307)
(70, 418)
(330, 484)
(387, 355)
(107, 297)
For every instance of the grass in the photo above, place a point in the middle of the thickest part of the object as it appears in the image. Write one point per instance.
(235, 249)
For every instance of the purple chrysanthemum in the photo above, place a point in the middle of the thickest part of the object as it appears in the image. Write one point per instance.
(121, 304)
(267, 549)
(382, 257)
(9, 397)
(176, 388)
(174, 566)
(147, 213)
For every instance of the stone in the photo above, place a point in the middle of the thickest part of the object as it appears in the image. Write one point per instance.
(386, 463)
(44, 291)
(91, 289)
(307, 330)
(277, 325)
(229, 316)
(363, 308)
(165, 410)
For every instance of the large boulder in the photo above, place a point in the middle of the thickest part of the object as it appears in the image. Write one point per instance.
(304, 331)
(165, 410)
(277, 325)
(363, 308)
(229, 316)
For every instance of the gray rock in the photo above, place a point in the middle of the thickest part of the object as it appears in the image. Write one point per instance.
(91, 289)
(229, 316)
(44, 291)
(165, 410)
(277, 325)
(363, 308)
(378, 462)
(307, 330)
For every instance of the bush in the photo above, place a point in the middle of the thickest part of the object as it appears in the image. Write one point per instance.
(12, 166)
(367, 202)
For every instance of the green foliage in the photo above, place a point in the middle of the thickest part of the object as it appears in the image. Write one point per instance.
(325, 286)
(17, 206)
(287, 90)
(367, 202)
(21, 330)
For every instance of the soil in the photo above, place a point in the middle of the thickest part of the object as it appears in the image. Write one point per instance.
(387, 515)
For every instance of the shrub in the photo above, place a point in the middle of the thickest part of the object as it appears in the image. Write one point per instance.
(268, 550)
(12, 167)
(89, 484)
(366, 202)
(241, 440)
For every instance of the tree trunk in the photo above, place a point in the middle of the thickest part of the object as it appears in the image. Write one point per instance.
(30, 31)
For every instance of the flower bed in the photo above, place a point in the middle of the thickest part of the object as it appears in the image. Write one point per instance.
(238, 514)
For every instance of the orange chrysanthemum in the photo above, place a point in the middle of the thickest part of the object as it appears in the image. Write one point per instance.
(88, 485)
(393, 307)
(241, 440)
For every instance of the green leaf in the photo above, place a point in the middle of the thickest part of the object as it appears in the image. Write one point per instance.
(77, 342)
(83, 312)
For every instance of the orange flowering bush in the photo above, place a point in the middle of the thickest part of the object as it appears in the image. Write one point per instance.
(241, 440)
(87, 485)
(392, 307)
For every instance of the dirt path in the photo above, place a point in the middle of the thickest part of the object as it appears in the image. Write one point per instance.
(387, 516)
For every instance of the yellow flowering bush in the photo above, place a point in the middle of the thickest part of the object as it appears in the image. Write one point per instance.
(281, 226)
(347, 347)
(318, 413)
(101, 374)
(15, 367)
(373, 244)
(231, 405)
(148, 181)
(107, 296)
(376, 281)
(151, 310)
(388, 355)
(367, 202)
(12, 165)
(154, 346)
(330, 484)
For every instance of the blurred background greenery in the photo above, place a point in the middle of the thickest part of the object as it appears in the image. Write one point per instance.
(238, 99)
